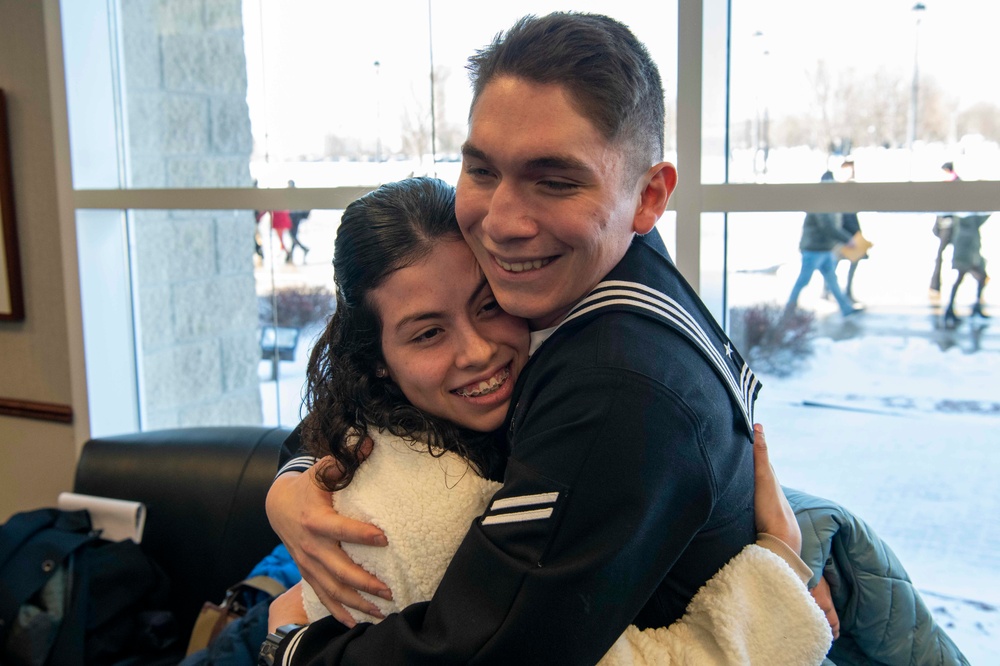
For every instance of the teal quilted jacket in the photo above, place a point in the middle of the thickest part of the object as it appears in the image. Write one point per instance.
(883, 620)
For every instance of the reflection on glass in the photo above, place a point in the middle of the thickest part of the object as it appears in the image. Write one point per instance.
(884, 82)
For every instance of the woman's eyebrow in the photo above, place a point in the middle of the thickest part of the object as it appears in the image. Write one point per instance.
(416, 318)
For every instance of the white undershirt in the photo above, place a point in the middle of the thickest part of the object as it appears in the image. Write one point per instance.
(538, 337)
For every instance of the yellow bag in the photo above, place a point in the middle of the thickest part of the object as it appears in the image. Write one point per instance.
(213, 618)
(857, 251)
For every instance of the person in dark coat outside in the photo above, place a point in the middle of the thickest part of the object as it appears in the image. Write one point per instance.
(967, 258)
(851, 224)
(296, 217)
(821, 233)
(943, 230)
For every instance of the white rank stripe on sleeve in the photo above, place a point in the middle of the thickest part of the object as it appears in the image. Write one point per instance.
(501, 505)
(298, 464)
(293, 645)
(616, 293)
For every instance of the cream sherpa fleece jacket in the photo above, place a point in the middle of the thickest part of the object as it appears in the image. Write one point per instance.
(755, 610)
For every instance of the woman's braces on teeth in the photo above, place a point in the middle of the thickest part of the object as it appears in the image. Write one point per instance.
(489, 386)
(522, 266)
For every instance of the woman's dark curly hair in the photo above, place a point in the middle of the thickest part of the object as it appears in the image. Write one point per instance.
(386, 230)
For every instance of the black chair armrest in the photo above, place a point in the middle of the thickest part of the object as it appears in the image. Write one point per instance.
(204, 491)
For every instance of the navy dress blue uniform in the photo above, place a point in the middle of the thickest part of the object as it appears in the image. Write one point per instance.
(629, 483)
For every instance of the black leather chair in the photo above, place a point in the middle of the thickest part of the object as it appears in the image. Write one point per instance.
(204, 491)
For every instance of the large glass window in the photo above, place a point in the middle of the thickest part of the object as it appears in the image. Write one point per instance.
(261, 92)
(889, 410)
(897, 85)
(357, 96)
(287, 107)
(203, 317)
(293, 274)
(892, 412)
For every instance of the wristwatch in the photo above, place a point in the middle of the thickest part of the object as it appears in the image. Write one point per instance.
(269, 648)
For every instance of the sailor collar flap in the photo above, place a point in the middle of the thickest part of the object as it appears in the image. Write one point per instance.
(672, 302)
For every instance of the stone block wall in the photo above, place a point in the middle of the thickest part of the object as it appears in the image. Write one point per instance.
(188, 125)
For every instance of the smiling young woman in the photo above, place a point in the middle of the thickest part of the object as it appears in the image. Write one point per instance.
(447, 344)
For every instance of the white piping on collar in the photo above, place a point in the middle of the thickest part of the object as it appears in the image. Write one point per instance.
(613, 293)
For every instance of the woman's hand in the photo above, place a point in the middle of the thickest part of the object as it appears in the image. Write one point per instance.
(287, 608)
(301, 513)
(821, 594)
(772, 511)
(774, 516)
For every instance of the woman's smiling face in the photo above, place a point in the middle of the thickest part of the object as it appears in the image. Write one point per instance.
(447, 344)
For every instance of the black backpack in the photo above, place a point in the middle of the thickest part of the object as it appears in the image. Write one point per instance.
(68, 597)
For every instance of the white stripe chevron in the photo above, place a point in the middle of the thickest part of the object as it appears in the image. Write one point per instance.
(517, 516)
(524, 500)
(749, 382)
(298, 464)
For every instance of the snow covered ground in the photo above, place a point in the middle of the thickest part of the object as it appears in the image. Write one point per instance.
(923, 475)
(894, 416)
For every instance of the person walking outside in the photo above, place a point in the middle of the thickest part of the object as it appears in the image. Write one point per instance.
(821, 233)
(967, 258)
(296, 218)
(943, 230)
(851, 224)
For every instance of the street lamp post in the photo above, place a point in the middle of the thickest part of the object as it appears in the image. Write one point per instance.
(762, 121)
(911, 134)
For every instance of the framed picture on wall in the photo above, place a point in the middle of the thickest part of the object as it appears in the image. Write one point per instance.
(11, 291)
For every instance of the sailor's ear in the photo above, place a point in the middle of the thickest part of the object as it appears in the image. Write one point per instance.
(658, 184)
